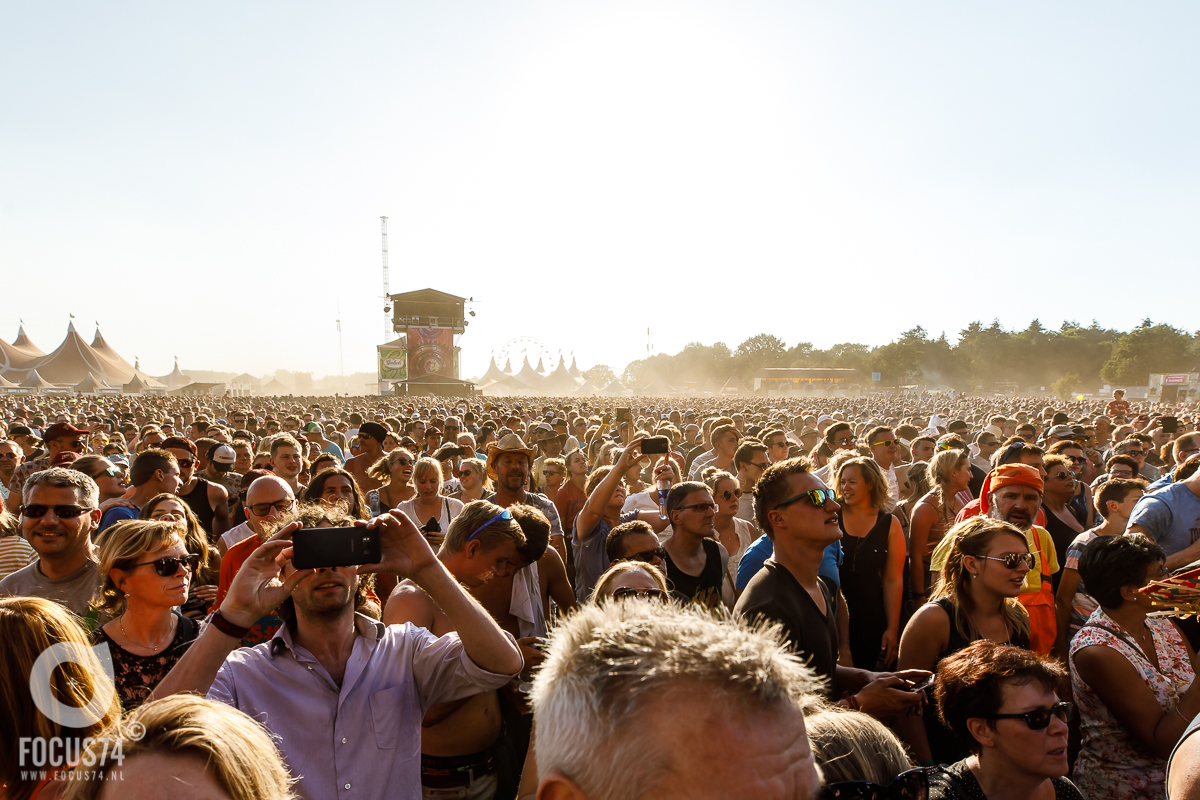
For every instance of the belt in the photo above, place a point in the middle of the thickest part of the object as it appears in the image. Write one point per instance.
(447, 772)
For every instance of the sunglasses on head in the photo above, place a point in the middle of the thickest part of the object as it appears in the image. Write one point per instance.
(169, 565)
(647, 556)
(37, 511)
(729, 494)
(1039, 718)
(818, 497)
(505, 515)
(641, 594)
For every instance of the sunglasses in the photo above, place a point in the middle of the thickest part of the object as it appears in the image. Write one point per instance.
(730, 494)
(913, 783)
(168, 566)
(262, 509)
(1062, 476)
(112, 472)
(851, 440)
(1012, 560)
(550, 474)
(641, 594)
(818, 497)
(184, 463)
(647, 556)
(885, 443)
(1077, 459)
(37, 511)
(404, 462)
(701, 506)
(1039, 718)
(77, 444)
(947, 446)
(505, 514)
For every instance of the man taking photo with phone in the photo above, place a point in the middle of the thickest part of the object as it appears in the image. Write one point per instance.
(343, 694)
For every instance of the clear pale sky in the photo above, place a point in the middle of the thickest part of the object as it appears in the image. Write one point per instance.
(206, 180)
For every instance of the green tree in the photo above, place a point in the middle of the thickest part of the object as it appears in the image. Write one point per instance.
(600, 375)
(1145, 349)
(1064, 387)
(762, 350)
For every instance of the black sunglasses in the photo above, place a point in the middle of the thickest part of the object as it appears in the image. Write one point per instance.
(1039, 718)
(647, 556)
(641, 594)
(169, 565)
(37, 511)
(913, 783)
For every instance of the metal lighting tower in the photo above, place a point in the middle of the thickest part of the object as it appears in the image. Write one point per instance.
(341, 359)
(387, 292)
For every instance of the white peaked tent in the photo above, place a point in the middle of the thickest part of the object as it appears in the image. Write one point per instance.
(175, 379)
(493, 375)
(586, 388)
(734, 386)
(658, 386)
(34, 380)
(615, 388)
(530, 377)
(91, 385)
(23, 343)
(71, 361)
(574, 369)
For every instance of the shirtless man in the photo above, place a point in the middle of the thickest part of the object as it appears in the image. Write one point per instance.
(370, 438)
(458, 738)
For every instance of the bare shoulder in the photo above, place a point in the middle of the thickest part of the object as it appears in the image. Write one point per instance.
(409, 603)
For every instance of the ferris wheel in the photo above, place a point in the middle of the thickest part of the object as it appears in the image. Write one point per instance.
(520, 347)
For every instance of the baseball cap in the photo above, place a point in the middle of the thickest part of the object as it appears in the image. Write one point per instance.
(222, 457)
(20, 430)
(63, 430)
(1061, 432)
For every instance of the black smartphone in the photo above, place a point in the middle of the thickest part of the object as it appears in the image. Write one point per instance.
(1170, 425)
(923, 685)
(655, 446)
(622, 415)
(313, 548)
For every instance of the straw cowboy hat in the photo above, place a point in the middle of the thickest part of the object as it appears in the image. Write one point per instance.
(509, 443)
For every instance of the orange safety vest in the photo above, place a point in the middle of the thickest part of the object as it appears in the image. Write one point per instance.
(1043, 628)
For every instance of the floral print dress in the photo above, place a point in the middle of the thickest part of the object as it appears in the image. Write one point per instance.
(1111, 763)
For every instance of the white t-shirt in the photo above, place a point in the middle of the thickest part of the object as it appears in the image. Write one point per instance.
(238, 533)
(449, 509)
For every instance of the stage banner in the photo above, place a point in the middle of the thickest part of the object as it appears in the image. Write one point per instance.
(393, 364)
(430, 352)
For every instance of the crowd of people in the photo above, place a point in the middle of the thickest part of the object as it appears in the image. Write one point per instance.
(893, 595)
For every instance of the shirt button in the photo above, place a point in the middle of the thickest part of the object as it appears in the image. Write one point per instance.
(347, 786)
(343, 740)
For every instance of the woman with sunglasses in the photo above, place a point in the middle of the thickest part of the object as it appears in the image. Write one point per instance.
(872, 568)
(169, 508)
(1061, 522)
(107, 475)
(1000, 700)
(1133, 676)
(472, 476)
(976, 598)
(734, 533)
(631, 579)
(395, 469)
(146, 570)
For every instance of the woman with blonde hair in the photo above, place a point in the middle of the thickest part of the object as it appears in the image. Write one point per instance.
(472, 475)
(145, 570)
(850, 746)
(627, 579)
(29, 626)
(168, 507)
(429, 509)
(734, 533)
(395, 469)
(976, 599)
(172, 740)
(872, 568)
(949, 472)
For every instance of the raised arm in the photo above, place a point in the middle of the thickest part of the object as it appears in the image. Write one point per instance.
(593, 509)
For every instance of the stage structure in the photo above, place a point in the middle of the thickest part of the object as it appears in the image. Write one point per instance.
(424, 358)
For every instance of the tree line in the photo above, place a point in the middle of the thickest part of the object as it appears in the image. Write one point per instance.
(984, 357)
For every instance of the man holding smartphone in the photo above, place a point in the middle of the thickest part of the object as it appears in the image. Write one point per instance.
(344, 695)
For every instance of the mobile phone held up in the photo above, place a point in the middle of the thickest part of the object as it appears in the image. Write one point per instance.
(622, 415)
(314, 548)
(655, 445)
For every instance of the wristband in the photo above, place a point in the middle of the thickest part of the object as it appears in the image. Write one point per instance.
(226, 627)
(852, 701)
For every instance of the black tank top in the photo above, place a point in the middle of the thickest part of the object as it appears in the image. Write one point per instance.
(704, 589)
(197, 500)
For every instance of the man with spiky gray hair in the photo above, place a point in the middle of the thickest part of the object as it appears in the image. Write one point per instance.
(638, 699)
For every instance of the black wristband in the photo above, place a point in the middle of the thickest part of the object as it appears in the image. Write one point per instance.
(226, 627)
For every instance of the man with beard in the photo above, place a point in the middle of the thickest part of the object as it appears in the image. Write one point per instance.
(1013, 493)
(342, 694)
(509, 464)
(61, 507)
(459, 739)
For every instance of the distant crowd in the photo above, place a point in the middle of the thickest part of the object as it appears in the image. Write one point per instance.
(893, 595)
